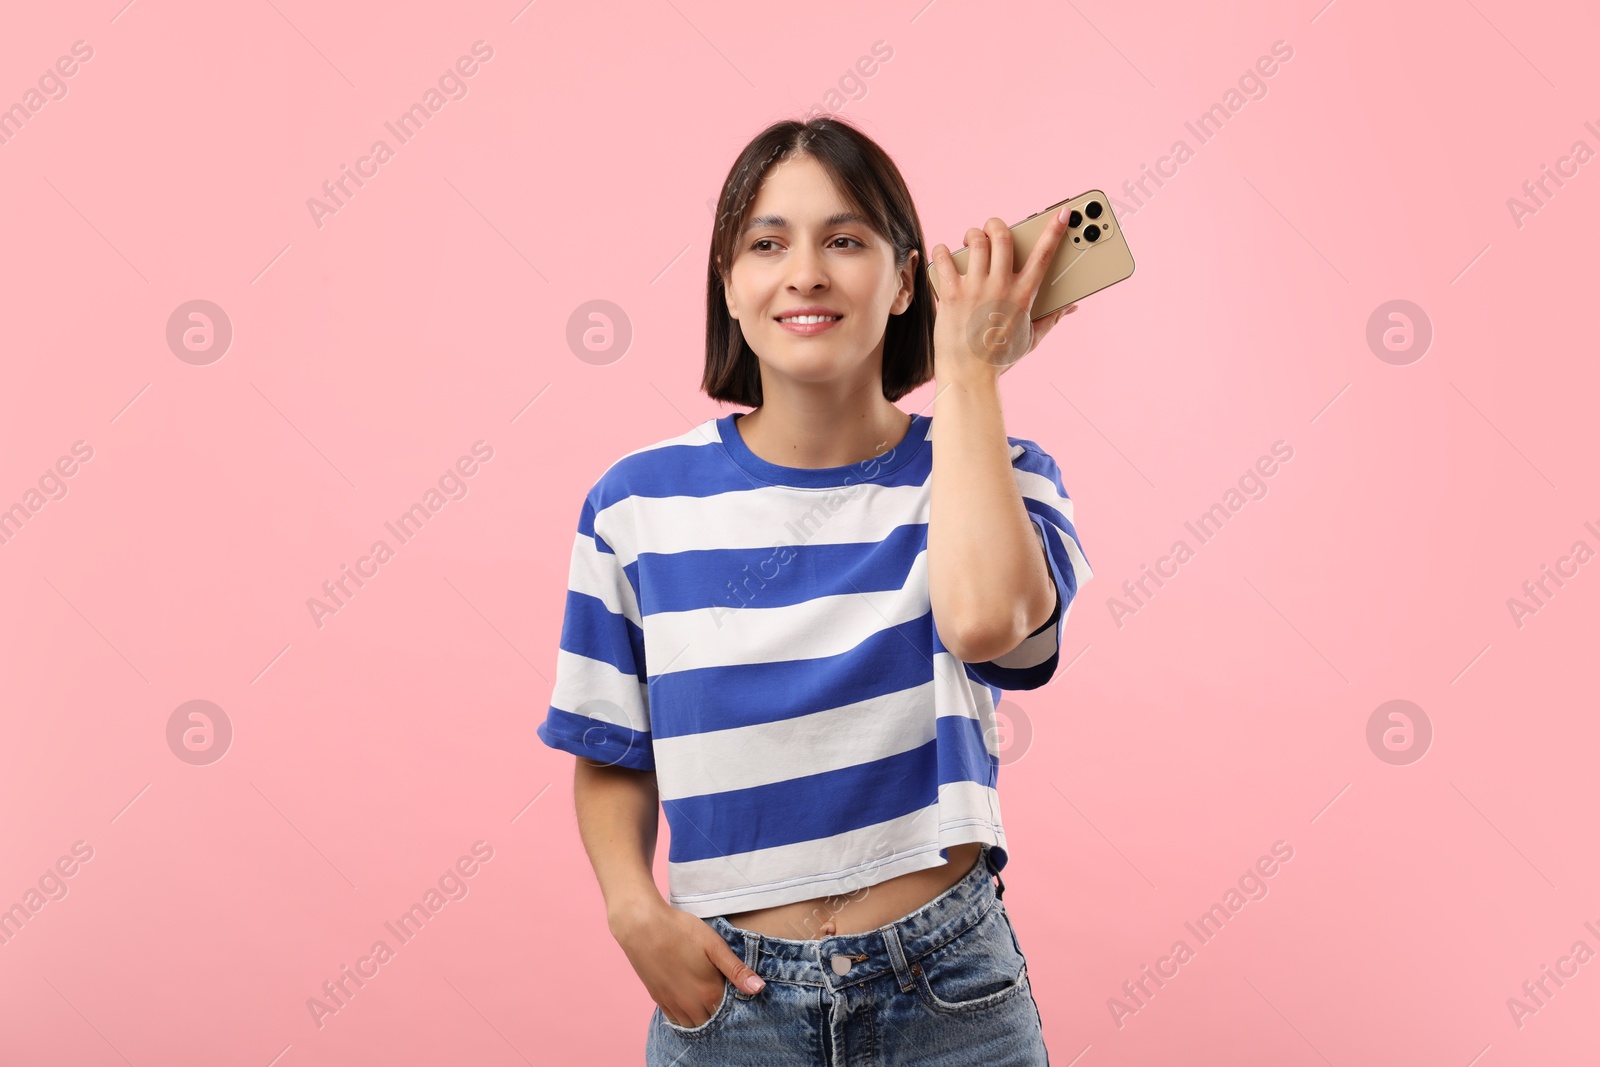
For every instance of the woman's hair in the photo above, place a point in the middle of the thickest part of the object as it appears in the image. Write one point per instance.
(870, 183)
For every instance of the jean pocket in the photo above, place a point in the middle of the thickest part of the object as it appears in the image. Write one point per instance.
(710, 1024)
(981, 968)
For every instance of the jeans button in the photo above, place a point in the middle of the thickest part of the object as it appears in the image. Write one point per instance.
(841, 963)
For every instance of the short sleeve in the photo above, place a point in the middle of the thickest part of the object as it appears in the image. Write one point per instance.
(600, 704)
(1033, 663)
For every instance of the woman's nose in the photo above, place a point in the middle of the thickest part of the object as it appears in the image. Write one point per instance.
(806, 270)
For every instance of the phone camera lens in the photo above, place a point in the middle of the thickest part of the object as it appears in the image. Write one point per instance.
(1093, 209)
(1091, 232)
(1074, 220)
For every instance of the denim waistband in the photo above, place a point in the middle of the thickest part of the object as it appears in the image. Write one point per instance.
(846, 959)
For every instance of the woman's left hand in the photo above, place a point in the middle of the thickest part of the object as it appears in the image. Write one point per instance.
(981, 323)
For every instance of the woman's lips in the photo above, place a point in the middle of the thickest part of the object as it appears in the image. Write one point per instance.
(807, 329)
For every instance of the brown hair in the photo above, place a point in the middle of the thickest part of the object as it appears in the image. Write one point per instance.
(870, 183)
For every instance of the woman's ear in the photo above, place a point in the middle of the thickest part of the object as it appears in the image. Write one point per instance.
(908, 285)
(727, 290)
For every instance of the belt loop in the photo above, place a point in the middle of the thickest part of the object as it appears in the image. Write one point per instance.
(752, 953)
(993, 869)
(897, 957)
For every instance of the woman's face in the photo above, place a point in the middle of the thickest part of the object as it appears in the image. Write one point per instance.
(803, 247)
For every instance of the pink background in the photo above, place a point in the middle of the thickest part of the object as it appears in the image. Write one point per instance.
(430, 312)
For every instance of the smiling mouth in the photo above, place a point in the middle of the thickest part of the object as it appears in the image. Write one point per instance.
(803, 320)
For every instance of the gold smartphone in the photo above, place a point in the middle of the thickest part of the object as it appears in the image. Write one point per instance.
(1092, 255)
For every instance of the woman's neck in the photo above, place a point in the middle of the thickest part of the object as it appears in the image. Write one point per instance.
(810, 440)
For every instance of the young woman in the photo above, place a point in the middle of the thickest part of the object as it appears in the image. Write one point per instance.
(790, 627)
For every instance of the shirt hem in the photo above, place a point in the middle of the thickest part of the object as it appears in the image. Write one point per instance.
(837, 883)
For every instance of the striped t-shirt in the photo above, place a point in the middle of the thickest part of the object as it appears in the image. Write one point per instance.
(761, 637)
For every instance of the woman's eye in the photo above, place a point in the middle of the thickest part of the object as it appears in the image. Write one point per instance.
(755, 246)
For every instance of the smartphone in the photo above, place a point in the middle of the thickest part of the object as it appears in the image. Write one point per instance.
(1092, 255)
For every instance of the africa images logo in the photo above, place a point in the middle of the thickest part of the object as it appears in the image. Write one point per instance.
(452, 85)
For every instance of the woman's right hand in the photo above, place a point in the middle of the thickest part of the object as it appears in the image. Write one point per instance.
(682, 961)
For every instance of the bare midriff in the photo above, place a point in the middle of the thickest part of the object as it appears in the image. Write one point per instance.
(877, 905)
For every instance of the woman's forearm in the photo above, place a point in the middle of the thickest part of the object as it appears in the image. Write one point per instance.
(989, 583)
(618, 819)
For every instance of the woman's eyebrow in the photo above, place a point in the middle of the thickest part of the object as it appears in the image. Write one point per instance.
(778, 222)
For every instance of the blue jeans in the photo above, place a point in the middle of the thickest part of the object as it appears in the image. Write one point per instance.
(944, 985)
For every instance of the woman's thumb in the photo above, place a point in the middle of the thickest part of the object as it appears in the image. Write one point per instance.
(740, 975)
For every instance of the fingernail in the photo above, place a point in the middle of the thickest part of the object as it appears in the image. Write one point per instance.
(1064, 214)
(754, 983)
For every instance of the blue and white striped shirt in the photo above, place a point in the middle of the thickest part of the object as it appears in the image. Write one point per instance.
(762, 638)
